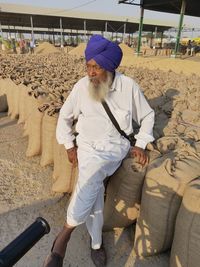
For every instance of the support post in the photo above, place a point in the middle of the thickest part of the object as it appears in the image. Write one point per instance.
(1, 31)
(61, 34)
(140, 29)
(15, 34)
(77, 41)
(106, 28)
(161, 39)
(85, 31)
(124, 32)
(9, 33)
(53, 37)
(32, 32)
(183, 6)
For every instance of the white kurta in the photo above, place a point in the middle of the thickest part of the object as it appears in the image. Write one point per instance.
(100, 147)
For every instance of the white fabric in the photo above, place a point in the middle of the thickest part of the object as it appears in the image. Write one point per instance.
(125, 100)
(94, 166)
(100, 146)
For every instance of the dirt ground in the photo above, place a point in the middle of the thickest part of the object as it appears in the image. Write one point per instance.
(25, 194)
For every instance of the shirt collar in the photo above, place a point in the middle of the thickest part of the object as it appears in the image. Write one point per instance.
(116, 85)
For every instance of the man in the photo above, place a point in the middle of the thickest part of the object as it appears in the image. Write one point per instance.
(100, 147)
(32, 46)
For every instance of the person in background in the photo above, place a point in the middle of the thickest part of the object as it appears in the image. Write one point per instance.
(32, 46)
(99, 148)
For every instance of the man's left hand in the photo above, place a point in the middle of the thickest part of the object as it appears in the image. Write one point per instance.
(140, 154)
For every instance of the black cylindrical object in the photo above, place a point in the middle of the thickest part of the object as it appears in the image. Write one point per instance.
(24, 242)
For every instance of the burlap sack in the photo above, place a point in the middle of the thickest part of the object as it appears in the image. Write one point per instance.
(34, 129)
(123, 193)
(162, 193)
(23, 99)
(65, 174)
(3, 97)
(3, 103)
(6, 88)
(185, 250)
(48, 136)
(15, 100)
(29, 103)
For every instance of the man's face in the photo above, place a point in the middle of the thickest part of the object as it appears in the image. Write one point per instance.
(95, 73)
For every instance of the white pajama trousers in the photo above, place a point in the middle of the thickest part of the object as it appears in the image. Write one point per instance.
(96, 161)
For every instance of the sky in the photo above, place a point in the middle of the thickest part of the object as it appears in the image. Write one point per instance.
(109, 7)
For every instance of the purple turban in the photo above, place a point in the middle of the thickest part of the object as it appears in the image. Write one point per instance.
(107, 54)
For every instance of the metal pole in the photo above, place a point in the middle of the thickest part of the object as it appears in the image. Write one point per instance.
(32, 32)
(15, 34)
(183, 6)
(140, 29)
(53, 37)
(61, 34)
(106, 28)
(85, 31)
(156, 30)
(161, 39)
(77, 37)
(9, 32)
(1, 31)
(124, 33)
(71, 36)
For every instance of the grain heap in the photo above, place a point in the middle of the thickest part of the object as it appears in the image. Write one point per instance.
(46, 48)
(78, 51)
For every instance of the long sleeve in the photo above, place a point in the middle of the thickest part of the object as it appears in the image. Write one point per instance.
(144, 115)
(69, 111)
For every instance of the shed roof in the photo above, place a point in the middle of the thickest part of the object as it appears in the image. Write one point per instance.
(19, 15)
(170, 6)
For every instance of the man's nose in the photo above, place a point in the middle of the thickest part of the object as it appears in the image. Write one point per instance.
(91, 72)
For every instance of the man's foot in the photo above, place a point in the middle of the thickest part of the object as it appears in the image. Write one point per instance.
(53, 260)
(99, 256)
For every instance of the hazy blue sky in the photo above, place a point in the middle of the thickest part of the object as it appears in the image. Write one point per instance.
(105, 6)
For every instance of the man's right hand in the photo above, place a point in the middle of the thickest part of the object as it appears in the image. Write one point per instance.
(72, 155)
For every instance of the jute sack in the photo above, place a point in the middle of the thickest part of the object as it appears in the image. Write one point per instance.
(3, 97)
(3, 103)
(15, 100)
(23, 99)
(65, 175)
(34, 129)
(185, 250)
(162, 193)
(123, 193)
(30, 102)
(6, 88)
(48, 136)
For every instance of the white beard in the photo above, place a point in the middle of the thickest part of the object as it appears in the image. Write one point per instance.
(100, 91)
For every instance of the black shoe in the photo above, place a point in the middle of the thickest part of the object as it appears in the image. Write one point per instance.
(98, 256)
(53, 259)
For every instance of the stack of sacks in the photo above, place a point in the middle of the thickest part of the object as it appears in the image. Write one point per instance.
(165, 182)
(185, 250)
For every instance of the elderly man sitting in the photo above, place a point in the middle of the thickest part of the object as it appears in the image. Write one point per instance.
(100, 146)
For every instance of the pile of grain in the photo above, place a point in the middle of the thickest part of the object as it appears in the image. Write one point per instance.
(46, 48)
(78, 51)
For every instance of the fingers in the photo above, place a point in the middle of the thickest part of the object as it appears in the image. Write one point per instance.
(140, 155)
(72, 155)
